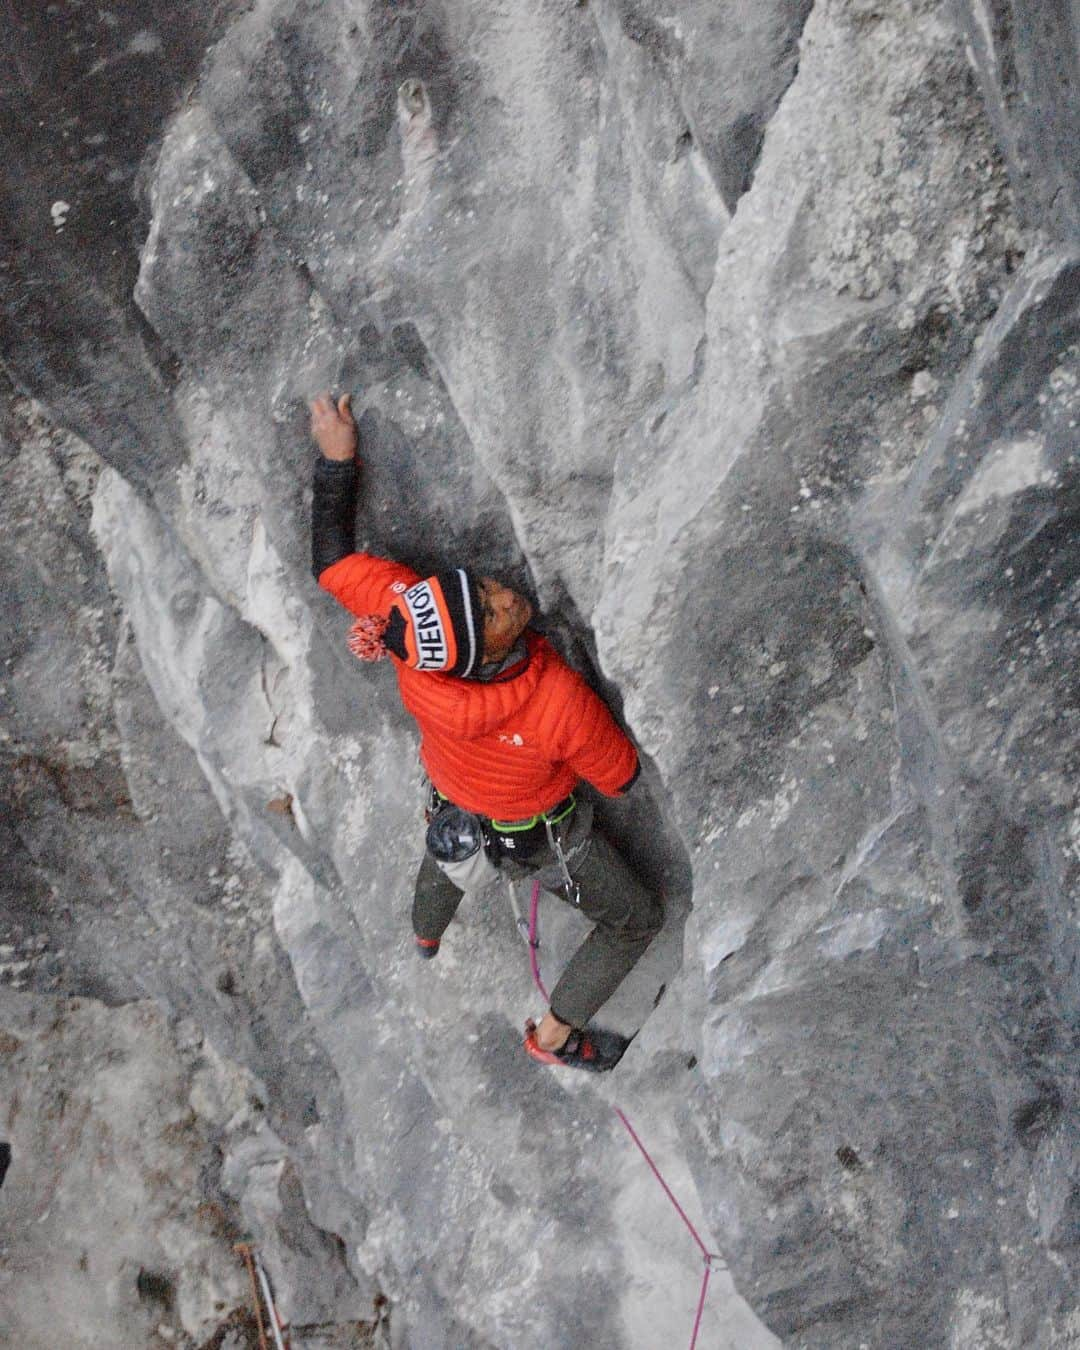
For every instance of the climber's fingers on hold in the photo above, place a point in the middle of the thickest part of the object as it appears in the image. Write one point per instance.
(325, 412)
(322, 407)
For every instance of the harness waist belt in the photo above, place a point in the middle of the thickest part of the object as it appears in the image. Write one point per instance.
(552, 815)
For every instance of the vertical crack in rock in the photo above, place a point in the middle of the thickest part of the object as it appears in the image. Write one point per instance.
(642, 825)
(1027, 58)
(925, 765)
(1035, 324)
(730, 95)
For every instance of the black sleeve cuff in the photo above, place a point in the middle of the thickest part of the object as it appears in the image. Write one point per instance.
(333, 512)
(565, 1021)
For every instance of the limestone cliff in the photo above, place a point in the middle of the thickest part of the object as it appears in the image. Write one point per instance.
(745, 339)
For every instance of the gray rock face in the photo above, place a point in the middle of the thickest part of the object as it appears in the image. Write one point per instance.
(108, 1239)
(744, 339)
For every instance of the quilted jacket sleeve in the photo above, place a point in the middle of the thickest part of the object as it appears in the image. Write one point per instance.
(365, 584)
(589, 739)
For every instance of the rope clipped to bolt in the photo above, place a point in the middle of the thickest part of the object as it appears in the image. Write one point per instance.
(707, 1256)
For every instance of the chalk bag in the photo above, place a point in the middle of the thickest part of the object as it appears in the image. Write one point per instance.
(455, 839)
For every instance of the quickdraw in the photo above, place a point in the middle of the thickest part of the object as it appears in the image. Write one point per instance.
(573, 890)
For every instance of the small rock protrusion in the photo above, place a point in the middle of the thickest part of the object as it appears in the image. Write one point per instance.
(419, 143)
(413, 99)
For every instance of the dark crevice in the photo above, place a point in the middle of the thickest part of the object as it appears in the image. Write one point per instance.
(731, 136)
(458, 529)
(641, 824)
(67, 319)
(1027, 60)
(155, 1287)
(748, 132)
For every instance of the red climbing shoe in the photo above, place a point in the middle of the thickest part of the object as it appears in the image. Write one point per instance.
(594, 1051)
(426, 948)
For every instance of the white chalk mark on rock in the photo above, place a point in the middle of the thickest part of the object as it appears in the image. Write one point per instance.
(419, 142)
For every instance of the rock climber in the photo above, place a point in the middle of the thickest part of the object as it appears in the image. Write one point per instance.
(507, 731)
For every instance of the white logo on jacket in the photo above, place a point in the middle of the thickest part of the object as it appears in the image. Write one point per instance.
(515, 739)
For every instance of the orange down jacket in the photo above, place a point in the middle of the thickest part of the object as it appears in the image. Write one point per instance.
(508, 749)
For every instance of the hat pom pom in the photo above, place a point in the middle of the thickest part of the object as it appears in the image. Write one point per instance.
(366, 637)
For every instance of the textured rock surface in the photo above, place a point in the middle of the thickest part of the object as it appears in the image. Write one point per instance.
(101, 1129)
(745, 338)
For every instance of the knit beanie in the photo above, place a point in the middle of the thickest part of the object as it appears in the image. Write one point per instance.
(437, 624)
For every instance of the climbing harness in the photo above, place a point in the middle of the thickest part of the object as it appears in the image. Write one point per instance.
(469, 847)
(523, 839)
(559, 873)
(707, 1256)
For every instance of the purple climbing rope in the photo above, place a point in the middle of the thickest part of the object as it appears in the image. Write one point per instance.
(667, 1189)
(707, 1256)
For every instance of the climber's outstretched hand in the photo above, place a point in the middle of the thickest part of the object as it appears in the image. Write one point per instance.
(333, 427)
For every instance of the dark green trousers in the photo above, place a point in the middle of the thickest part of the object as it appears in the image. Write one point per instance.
(626, 916)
